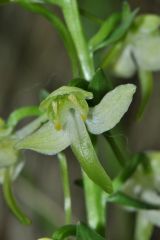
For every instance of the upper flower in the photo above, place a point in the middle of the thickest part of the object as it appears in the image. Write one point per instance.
(139, 49)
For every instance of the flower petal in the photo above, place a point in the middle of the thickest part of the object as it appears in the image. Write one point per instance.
(46, 140)
(84, 151)
(147, 52)
(111, 109)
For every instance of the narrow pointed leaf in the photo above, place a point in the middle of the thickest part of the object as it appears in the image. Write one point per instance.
(111, 109)
(126, 11)
(11, 202)
(120, 31)
(104, 31)
(99, 85)
(83, 149)
(146, 83)
(128, 201)
(85, 233)
(46, 140)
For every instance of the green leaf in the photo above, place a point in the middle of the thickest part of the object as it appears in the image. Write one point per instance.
(22, 113)
(11, 202)
(126, 11)
(99, 85)
(45, 140)
(146, 83)
(104, 31)
(128, 201)
(120, 31)
(78, 82)
(64, 232)
(83, 149)
(85, 233)
(111, 109)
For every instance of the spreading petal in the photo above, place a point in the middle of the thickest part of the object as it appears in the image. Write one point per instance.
(46, 140)
(111, 109)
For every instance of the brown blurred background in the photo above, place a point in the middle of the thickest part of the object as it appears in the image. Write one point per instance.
(32, 57)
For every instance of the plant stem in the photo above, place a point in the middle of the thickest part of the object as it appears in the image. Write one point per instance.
(94, 195)
(144, 228)
(72, 18)
(115, 145)
(95, 199)
(66, 187)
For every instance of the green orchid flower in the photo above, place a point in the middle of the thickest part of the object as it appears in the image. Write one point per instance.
(11, 159)
(9, 156)
(146, 186)
(11, 164)
(138, 51)
(69, 118)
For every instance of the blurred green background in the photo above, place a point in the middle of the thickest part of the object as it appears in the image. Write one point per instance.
(32, 57)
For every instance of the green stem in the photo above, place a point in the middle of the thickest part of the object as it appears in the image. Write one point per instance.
(66, 187)
(95, 199)
(72, 18)
(116, 147)
(146, 84)
(94, 195)
(143, 228)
